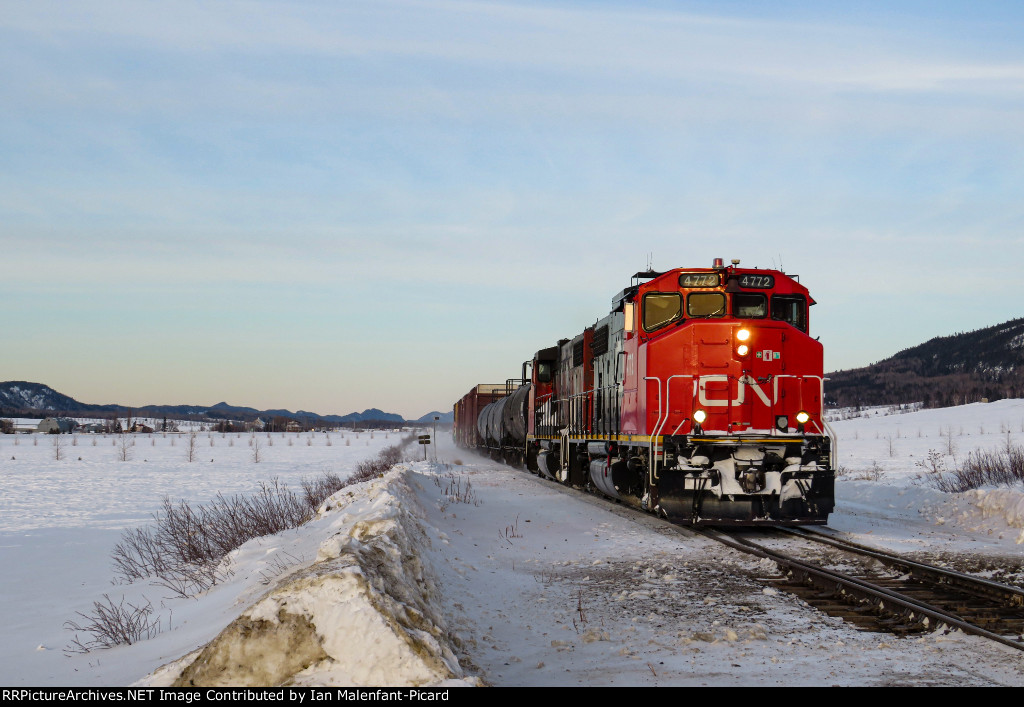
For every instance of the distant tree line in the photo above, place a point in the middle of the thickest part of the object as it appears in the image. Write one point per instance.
(987, 364)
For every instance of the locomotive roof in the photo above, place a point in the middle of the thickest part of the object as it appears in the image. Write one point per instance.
(731, 273)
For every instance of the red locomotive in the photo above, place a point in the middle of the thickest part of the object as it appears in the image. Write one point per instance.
(699, 397)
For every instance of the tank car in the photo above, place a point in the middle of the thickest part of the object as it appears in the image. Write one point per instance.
(698, 397)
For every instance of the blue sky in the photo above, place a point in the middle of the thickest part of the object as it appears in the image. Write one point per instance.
(338, 205)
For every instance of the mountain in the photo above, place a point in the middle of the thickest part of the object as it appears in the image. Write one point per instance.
(445, 417)
(948, 370)
(22, 395)
(24, 399)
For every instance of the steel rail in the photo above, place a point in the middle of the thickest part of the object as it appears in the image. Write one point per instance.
(859, 587)
(1015, 595)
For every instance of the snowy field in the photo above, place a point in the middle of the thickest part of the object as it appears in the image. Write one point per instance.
(514, 580)
(60, 519)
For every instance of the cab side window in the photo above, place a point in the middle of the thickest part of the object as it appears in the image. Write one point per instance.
(543, 372)
(661, 308)
(791, 309)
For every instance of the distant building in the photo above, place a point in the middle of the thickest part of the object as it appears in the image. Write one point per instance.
(140, 428)
(92, 428)
(293, 426)
(56, 425)
(259, 425)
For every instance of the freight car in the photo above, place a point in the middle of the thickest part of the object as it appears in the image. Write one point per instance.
(698, 397)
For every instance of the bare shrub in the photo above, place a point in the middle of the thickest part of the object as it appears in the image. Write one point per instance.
(279, 566)
(510, 532)
(950, 445)
(187, 581)
(138, 556)
(874, 473)
(892, 445)
(376, 467)
(113, 624)
(454, 490)
(933, 463)
(999, 468)
(185, 547)
(580, 620)
(317, 490)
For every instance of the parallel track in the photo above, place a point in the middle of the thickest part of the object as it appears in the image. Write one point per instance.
(923, 598)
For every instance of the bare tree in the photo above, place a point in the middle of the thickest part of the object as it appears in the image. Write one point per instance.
(254, 442)
(124, 448)
(190, 448)
(58, 447)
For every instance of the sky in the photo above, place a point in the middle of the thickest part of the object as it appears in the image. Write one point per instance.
(335, 206)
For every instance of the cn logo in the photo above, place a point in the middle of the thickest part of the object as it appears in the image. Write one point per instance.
(741, 391)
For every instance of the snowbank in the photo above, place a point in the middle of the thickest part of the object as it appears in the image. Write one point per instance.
(365, 612)
(1001, 503)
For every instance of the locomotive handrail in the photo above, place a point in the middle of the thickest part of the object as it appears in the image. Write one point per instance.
(659, 427)
(658, 420)
(657, 424)
(827, 427)
(693, 397)
(835, 442)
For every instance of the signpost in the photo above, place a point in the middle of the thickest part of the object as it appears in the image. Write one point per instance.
(436, 418)
(424, 439)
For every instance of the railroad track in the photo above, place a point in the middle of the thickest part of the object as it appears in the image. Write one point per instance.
(896, 595)
(910, 597)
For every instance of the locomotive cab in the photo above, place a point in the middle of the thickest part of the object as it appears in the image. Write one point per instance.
(729, 391)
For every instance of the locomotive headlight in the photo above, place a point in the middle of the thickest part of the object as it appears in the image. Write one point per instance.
(698, 420)
(742, 350)
(743, 335)
(801, 417)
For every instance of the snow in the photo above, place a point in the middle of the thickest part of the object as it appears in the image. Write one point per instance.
(465, 572)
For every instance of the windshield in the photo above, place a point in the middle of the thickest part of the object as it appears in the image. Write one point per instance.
(705, 304)
(660, 308)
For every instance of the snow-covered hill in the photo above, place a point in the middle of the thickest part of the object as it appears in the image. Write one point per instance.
(21, 395)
